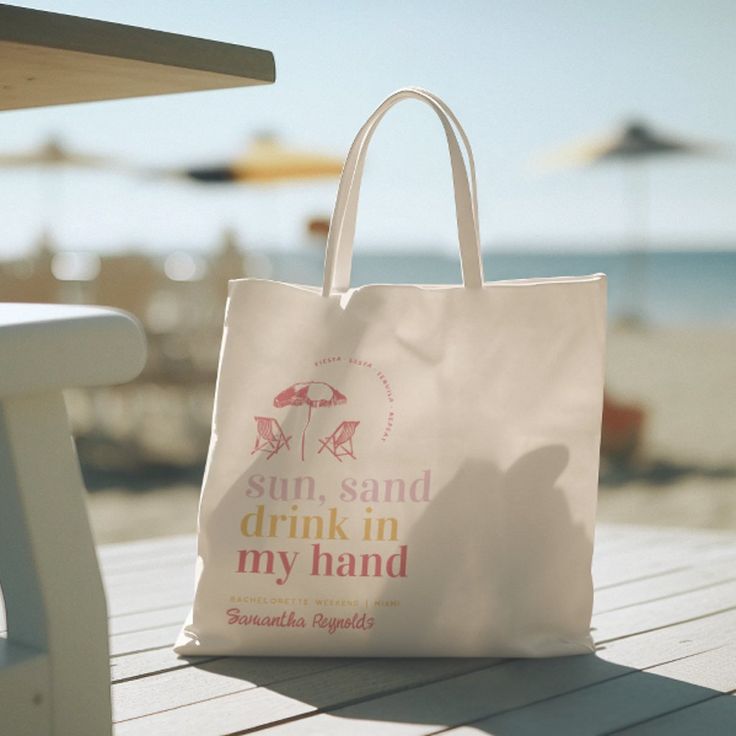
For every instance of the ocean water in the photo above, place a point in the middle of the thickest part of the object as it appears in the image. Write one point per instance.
(668, 288)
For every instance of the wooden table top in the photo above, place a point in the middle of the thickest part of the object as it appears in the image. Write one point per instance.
(664, 624)
(53, 59)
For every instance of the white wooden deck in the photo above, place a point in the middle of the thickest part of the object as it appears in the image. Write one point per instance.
(664, 623)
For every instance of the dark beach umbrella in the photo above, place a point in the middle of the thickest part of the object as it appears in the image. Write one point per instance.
(634, 145)
(633, 142)
(211, 174)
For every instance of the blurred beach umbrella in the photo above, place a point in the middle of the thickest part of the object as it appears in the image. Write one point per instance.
(633, 145)
(267, 161)
(634, 142)
(53, 156)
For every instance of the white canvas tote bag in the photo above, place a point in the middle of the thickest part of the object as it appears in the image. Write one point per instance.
(402, 470)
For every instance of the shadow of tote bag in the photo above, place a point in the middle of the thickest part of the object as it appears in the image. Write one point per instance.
(402, 470)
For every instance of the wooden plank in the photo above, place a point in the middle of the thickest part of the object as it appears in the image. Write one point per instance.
(136, 598)
(151, 592)
(143, 548)
(52, 59)
(662, 613)
(148, 610)
(134, 593)
(135, 590)
(678, 641)
(173, 569)
(458, 698)
(713, 670)
(251, 706)
(655, 613)
(714, 716)
(656, 560)
(671, 595)
(631, 541)
(684, 580)
(158, 627)
(142, 641)
(120, 555)
(209, 680)
(166, 622)
(515, 685)
(618, 703)
(138, 591)
(133, 622)
(611, 537)
(154, 661)
(153, 595)
(120, 564)
(159, 562)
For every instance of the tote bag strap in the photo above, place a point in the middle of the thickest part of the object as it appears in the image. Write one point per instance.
(338, 256)
(352, 205)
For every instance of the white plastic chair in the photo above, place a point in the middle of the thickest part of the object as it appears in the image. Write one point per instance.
(54, 666)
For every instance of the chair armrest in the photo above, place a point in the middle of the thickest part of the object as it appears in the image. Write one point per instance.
(52, 346)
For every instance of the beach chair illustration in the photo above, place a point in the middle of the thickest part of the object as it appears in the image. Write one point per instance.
(340, 442)
(270, 438)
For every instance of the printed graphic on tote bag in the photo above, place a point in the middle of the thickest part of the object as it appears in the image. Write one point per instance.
(340, 442)
(318, 530)
(271, 438)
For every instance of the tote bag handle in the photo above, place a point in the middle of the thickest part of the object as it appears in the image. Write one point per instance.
(338, 255)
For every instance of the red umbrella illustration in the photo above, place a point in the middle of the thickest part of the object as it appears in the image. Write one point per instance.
(313, 394)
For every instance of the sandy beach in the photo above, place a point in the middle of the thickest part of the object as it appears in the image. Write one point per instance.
(684, 474)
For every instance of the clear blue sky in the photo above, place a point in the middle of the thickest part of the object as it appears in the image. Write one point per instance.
(524, 77)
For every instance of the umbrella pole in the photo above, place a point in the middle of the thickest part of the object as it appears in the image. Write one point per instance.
(304, 431)
(638, 205)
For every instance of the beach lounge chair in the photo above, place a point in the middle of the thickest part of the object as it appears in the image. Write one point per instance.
(270, 437)
(340, 442)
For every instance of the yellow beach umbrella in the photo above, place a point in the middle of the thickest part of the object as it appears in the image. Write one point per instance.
(268, 161)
